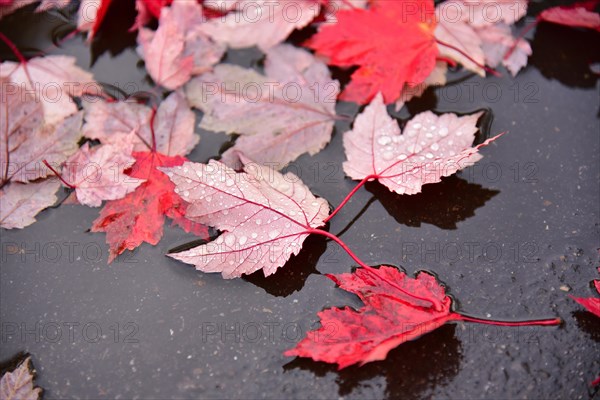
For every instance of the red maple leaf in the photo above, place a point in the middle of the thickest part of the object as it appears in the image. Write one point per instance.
(392, 42)
(592, 304)
(139, 216)
(396, 309)
(154, 6)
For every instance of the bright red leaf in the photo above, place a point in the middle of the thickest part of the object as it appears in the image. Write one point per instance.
(139, 216)
(392, 42)
(91, 16)
(154, 6)
(592, 304)
(397, 308)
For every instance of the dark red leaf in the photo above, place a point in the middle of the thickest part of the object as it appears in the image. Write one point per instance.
(396, 309)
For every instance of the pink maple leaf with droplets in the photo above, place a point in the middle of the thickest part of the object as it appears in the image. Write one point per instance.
(265, 216)
(429, 148)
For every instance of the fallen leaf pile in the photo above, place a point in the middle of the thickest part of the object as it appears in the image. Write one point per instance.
(130, 156)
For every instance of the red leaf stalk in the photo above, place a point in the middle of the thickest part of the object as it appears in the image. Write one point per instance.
(347, 198)
(58, 175)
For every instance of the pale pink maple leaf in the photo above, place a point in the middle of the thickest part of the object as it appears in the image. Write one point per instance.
(578, 15)
(20, 117)
(10, 6)
(496, 41)
(479, 13)
(97, 173)
(429, 148)
(20, 203)
(118, 122)
(53, 80)
(179, 48)
(277, 124)
(46, 5)
(261, 23)
(18, 384)
(163, 53)
(54, 143)
(459, 34)
(265, 216)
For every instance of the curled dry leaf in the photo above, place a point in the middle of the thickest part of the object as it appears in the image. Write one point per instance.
(369, 39)
(179, 48)
(114, 123)
(261, 23)
(18, 384)
(20, 203)
(97, 173)
(281, 115)
(430, 148)
(53, 80)
(265, 216)
(397, 308)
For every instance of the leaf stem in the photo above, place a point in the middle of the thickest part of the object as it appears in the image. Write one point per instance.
(482, 66)
(58, 175)
(535, 322)
(347, 198)
(18, 54)
(152, 116)
(369, 269)
(13, 48)
(520, 37)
